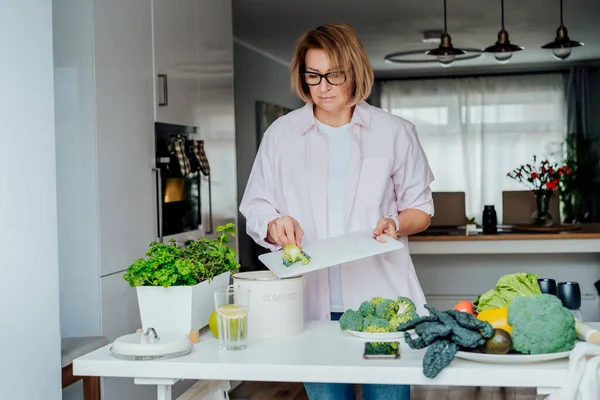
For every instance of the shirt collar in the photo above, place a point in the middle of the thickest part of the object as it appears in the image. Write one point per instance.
(361, 116)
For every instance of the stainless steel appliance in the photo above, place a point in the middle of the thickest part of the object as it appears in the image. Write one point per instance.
(180, 165)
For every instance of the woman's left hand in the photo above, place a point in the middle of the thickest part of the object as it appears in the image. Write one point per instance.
(385, 226)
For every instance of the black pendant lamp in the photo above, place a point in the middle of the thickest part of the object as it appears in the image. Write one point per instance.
(503, 49)
(561, 46)
(445, 52)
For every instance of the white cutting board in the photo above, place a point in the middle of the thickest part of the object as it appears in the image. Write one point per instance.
(332, 251)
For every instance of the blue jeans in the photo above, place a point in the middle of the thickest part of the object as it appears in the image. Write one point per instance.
(345, 391)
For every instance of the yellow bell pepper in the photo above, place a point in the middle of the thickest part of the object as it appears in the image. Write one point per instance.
(497, 317)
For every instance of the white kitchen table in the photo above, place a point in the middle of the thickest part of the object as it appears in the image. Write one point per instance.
(320, 354)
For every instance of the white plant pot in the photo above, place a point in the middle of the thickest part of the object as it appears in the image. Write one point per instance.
(179, 308)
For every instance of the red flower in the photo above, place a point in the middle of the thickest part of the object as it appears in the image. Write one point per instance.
(552, 184)
(534, 175)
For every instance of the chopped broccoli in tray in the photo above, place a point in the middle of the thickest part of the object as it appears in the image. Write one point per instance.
(376, 300)
(367, 309)
(351, 320)
(398, 319)
(379, 315)
(376, 324)
(405, 305)
(292, 254)
(386, 309)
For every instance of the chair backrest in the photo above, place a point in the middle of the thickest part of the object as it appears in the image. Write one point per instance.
(519, 205)
(449, 209)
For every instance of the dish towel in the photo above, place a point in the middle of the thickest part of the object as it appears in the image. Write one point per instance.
(583, 375)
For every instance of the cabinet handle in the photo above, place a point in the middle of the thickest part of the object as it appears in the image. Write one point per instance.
(165, 101)
(159, 202)
(210, 213)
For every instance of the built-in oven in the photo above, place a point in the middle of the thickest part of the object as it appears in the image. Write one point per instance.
(181, 166)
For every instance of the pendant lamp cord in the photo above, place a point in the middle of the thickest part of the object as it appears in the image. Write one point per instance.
(445, 24)
(561, 13)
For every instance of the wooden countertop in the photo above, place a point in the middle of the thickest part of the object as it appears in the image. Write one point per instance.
(587, 231)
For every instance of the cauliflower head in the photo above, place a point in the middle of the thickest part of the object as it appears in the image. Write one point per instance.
(541, 325)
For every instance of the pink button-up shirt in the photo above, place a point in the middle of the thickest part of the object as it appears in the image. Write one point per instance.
(388, 173)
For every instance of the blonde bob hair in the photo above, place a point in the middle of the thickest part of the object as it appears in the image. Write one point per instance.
(344, 50)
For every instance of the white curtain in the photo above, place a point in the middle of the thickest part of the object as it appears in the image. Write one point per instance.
(476, 130)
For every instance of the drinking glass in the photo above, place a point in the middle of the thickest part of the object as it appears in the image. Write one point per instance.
(231, 305)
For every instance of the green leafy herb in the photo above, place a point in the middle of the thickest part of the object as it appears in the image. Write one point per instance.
(170, 265)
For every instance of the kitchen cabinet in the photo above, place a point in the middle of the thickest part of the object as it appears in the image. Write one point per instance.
(176, 59)
(104, 144)
(107, 55)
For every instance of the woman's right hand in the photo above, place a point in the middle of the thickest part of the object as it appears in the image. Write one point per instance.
(285, 230)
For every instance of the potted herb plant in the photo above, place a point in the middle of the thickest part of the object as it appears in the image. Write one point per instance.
(175, 285)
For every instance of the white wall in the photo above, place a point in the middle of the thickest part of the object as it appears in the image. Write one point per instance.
(28, 256)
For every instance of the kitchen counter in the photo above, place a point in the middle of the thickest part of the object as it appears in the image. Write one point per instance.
(454, 266)
(321, 353)
(584, 240)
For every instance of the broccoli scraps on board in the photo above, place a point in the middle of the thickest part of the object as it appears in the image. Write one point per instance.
(292, 254)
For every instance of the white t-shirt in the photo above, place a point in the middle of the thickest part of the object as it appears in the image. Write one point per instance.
(339, 143)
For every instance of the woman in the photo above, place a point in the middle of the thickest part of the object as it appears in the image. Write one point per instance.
(338, 165)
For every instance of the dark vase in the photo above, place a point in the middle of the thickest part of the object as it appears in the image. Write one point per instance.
(489, 220)
(542, 215)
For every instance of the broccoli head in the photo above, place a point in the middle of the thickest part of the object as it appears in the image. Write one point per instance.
(351, 320)
(405, 305)
(541, 325)
(376, 300)
(386, 309)
(376, 325)
(292, 254)
(367, 309)
(398, 319)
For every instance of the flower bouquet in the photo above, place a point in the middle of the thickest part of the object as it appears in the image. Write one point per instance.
(543, 178)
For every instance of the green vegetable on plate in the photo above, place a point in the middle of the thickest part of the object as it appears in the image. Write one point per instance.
(541, 325)
(508, 288)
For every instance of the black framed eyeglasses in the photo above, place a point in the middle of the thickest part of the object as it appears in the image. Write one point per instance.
(314, 78)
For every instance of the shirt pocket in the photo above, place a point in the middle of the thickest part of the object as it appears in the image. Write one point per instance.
(375, 190)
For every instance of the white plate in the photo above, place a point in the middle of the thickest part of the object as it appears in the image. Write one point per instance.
(331, 251)
(510, 358)
(378, 336)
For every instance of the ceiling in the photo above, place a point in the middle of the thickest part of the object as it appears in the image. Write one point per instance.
(388, 26)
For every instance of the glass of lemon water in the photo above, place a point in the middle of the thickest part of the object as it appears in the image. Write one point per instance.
(231, 305)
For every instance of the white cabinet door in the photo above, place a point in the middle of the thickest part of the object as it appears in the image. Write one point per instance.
(124, 131)
(175, 31)
(120, 312)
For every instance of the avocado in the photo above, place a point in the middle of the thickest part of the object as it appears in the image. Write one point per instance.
(499, 343)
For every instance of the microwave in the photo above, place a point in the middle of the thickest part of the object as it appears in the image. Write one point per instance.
(180, 168)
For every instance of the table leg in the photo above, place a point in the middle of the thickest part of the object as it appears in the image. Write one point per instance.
(163, 386)
(164, 392)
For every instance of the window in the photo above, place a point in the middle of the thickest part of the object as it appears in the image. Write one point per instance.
(475, 130)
